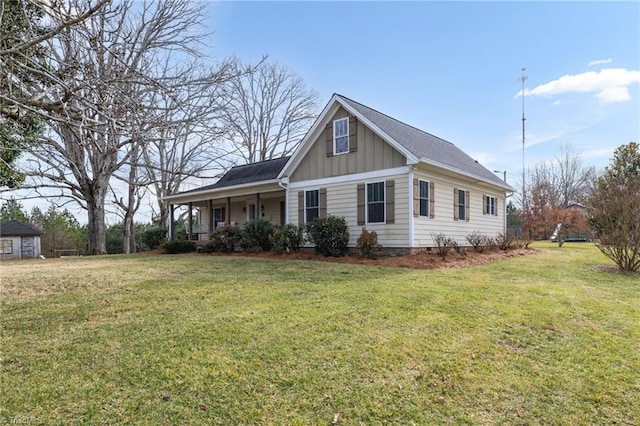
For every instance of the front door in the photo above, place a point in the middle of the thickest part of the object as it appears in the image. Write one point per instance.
(218, 216)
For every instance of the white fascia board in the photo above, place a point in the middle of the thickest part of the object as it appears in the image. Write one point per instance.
(311, 135)
(314, 133)
(376, 174)
(463, 173)
(411, 159)
(226, 191)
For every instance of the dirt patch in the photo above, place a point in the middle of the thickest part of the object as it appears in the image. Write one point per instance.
(612, 269)
(423, 260)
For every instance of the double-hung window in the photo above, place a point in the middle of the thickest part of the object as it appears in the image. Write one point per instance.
(311, 205)
(341, 136)
(375, 202)
(424, 198)
(490, 205)
(462, 204)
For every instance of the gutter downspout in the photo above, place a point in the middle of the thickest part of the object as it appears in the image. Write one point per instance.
(411, 218)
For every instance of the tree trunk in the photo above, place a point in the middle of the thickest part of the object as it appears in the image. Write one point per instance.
(129, 241)
(129, 225)
(95, 198)
(96, 229)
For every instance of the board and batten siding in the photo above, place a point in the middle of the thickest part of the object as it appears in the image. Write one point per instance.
(443, 220)
(342, 201)
(370, 153)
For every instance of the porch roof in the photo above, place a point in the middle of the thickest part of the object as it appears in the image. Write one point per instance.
(240, 176)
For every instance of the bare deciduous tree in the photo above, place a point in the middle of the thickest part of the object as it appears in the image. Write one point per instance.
(267, 112)
(614, 208)
(108, 63)
(25, 77)
(183, 141)
(552, 188)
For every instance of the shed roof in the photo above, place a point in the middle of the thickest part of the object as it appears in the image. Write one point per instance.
(248, 173)
(13, 228)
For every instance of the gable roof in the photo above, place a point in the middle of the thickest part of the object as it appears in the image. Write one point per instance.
(13, 228)
(424, 146)
(247, 173)
(417, 145)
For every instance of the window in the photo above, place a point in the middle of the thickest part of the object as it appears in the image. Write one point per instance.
(375, 202)
(311, 205)
(6, 246)
(490, 205)
(341, 136)
(462, 204)
(424, 198)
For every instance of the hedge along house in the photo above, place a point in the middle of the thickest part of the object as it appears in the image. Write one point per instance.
(19, 241)
(375, 171)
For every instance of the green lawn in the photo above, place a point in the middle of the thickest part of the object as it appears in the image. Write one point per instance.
(195, 339)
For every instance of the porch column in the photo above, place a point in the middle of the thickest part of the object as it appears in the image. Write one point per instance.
(227, 213)
(190, 221)
(172, 228)
(211, 219)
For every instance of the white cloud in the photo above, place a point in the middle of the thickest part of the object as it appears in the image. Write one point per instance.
(609, 85)
(600, 62)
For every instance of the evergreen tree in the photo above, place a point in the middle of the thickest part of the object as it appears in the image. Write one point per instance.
(13, 210)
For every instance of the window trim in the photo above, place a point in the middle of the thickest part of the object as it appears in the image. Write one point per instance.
(489, 207)
(6, 246)
(462, 207)
(335, 137)
(420, 198)
(305, 203)
(384, 202)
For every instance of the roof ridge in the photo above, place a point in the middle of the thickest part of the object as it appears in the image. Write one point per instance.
(394, 119)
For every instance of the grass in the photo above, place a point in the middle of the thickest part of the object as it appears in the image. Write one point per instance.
(195, 339)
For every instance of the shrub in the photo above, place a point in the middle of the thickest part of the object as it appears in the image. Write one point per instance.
(224, 240)
(614, 208)
(179, 246)
(257, 233)
(287, 238)
(330, 235)
(367, 244)
(458, 248)
(478, 241)
(444, 244)
(153, 236)
(504, 241)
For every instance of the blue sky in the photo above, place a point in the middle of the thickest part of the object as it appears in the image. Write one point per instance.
(453, 68)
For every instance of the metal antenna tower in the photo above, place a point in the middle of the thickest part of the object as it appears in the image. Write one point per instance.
(523, 78)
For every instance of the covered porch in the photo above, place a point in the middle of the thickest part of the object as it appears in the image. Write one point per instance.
(244, 193)
(205, 216)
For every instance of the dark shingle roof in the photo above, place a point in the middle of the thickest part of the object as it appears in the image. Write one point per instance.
(13, 228)
(248, 173)
(424, 145)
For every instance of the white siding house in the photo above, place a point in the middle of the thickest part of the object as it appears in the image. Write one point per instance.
(375, 171)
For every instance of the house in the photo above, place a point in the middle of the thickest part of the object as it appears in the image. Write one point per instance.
(374, 170)
(19, 241)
